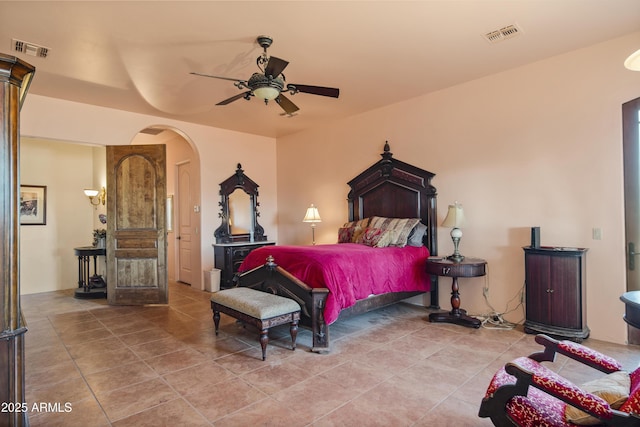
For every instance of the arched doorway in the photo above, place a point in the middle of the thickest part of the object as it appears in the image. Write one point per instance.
(183, 191)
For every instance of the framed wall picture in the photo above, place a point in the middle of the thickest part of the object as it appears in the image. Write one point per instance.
(33, 205)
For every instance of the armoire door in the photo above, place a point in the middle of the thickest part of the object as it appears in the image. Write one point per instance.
(136, 225)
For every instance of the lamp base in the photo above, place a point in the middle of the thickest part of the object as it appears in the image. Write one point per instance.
(455, 257)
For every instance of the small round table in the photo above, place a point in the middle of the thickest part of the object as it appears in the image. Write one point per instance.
(468, 267)
(86, 282)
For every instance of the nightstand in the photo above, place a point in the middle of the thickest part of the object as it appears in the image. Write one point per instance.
(468, 267)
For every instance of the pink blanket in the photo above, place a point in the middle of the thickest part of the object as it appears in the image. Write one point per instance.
(350, 271)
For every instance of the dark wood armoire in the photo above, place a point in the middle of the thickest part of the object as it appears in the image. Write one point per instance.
(15, 76)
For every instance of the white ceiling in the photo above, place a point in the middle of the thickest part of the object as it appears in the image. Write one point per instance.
(136, 56)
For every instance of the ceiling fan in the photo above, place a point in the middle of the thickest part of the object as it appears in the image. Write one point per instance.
(270, 83)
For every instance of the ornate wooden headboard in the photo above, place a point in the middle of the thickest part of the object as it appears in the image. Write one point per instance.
(395, 189)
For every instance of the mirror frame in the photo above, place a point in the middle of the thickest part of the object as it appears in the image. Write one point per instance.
(239, 181)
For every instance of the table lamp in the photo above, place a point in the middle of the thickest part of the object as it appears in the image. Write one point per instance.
(312, 216)
(455, 220)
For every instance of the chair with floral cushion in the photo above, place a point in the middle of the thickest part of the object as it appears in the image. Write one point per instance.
(527, 393)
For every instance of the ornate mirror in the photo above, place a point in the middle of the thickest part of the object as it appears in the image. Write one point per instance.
(239, 210)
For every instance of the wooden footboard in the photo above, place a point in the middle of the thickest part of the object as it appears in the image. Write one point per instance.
(276, 280)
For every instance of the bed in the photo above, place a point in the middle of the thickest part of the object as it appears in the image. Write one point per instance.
(389, 191)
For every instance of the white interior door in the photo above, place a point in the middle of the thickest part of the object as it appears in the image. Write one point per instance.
(186, 223)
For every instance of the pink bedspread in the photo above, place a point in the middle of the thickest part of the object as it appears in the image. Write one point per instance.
(350, 271)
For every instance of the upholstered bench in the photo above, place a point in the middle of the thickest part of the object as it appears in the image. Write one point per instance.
(261, 309)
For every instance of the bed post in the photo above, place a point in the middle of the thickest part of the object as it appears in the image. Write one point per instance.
(432, 244)
(319, 327)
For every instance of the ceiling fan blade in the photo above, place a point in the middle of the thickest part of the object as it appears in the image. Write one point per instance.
(286, 104)
(217, 77)
(275, 67)
(234, 98)
(317, 90)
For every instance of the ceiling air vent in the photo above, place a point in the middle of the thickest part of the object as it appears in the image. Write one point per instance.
(30, 49)
(502, 34)
(152, 131)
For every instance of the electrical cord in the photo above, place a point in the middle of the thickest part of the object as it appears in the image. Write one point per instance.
(495, 319)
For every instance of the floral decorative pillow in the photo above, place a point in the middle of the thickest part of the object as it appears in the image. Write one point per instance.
(347, 234)
(364, 223)
(375, 237)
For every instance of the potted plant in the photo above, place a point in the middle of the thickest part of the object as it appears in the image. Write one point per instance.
(99, 237)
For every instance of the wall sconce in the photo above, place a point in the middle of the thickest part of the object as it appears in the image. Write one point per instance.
(312, 216)
(100, 196)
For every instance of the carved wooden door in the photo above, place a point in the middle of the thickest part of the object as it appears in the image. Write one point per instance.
(136, 225)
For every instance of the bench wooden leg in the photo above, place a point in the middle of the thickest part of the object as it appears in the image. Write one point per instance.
(216, 320)
(294, 333)
(264, 340)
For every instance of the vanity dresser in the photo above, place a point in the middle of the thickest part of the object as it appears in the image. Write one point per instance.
(239, 233)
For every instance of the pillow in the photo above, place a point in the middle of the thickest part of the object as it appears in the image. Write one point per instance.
(357, 231)
(345, 234)
(375, 237)
(400, 226)
(349, 234)
(416, 235)
(614, 388)
(364, 223)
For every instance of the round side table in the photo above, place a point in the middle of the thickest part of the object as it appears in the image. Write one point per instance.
(468, 267)
(86, 289)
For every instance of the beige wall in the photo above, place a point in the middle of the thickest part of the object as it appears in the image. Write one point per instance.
(535, 146)
(47, 260)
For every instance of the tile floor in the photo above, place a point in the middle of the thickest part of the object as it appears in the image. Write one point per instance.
(164, 366)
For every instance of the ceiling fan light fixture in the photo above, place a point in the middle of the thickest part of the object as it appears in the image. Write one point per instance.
(264, 87)
(267, 93)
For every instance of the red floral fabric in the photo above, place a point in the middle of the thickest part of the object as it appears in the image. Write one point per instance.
(539, 409)
(586, 353)
(632, 405)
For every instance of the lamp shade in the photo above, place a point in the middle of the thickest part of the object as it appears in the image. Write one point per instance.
(455, 217)
(633, 61)
(90, 193)
(312, 215)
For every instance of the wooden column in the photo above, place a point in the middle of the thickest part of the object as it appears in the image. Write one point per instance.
(15, 76)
